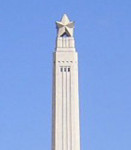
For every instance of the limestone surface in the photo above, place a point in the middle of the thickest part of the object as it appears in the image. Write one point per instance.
(66, 128)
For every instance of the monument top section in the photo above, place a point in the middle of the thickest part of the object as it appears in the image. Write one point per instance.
(65, 27)
(65, 39)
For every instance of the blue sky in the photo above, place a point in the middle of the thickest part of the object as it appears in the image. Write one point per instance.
(103, 41)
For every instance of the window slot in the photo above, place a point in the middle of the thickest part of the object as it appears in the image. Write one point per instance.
(65, 69)
(68, 69)
(61, 69)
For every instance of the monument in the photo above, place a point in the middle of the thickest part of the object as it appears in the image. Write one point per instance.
(66, 128)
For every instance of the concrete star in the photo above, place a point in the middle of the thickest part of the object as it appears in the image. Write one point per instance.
(65, 27)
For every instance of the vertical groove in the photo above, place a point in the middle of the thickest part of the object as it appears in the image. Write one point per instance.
(70, 115)
(65, 106)
(62, 108)
(66, 112)
(68, 106)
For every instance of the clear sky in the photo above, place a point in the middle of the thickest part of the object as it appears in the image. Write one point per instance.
(103, 41)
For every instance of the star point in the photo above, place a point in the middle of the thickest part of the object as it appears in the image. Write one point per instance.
(65, 26)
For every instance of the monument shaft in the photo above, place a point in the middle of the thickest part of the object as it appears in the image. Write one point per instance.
(66, 129)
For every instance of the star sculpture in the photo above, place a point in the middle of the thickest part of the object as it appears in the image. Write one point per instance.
(65, 27)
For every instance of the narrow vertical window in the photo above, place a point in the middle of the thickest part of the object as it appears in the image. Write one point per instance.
(61, 69)
(65, 69)
(68, 69)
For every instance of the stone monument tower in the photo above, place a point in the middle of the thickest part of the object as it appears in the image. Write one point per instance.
(66, 128)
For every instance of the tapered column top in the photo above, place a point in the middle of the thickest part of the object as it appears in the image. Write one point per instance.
(65, 39)
(65, 27)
